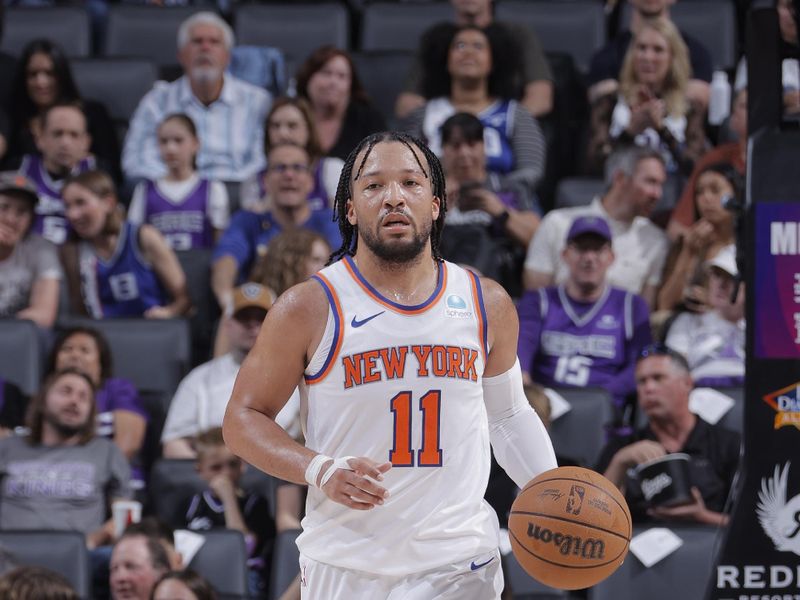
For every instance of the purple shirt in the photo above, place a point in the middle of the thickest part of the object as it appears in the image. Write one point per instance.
(566, 343)
(50, 221)
(119, 394)
(185, 225)
(116, 394)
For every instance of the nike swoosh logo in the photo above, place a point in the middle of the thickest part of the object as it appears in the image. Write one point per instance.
(475, 567)
(356, 323)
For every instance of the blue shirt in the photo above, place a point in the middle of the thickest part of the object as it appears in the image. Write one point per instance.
(123, 286)
(249, 233)
(231, 130)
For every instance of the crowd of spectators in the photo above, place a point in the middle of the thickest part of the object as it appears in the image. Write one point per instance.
(210, 163)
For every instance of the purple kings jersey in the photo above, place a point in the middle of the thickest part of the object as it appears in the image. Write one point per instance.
(50, 221)
(576, 344)
(184, 224)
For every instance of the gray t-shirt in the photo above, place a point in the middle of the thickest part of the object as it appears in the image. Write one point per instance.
(34, 258)
(61, 488)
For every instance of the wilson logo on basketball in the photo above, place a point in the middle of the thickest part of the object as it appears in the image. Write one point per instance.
(591, 548)
(575, 499)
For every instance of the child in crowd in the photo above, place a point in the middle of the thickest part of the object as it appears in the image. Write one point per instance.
(189, 210)
(114, 268)
(225, 504)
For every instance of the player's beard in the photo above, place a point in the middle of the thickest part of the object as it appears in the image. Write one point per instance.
(396, 252)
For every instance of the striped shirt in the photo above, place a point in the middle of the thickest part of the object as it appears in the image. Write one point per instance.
(231, 130)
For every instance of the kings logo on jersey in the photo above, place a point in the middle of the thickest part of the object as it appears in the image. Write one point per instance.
(456, 307)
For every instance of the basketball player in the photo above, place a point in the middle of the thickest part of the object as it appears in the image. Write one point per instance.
(409, 369)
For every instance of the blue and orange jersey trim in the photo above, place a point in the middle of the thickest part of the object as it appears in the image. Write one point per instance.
(477, 299)
(338, 330)
(441, 284)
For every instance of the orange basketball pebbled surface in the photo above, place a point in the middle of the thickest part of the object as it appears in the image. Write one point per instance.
(570, 528)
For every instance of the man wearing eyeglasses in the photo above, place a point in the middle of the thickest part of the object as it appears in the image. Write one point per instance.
(663, 384)
(288, 183)
(584, 332)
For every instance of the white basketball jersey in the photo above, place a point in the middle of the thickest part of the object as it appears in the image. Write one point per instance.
(401, 384)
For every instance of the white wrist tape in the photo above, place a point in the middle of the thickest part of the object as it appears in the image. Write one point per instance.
(339, 463)
(316, 464)
(314, 467)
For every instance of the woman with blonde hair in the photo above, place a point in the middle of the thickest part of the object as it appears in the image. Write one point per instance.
(652, 108)
(115, 268)
(291, 258)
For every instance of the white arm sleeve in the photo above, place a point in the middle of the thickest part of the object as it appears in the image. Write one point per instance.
(520, 441)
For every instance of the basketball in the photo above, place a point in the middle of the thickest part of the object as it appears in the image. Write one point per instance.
(570, 528)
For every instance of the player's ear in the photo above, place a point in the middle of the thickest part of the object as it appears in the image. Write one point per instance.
(436, 207)
(351, 214)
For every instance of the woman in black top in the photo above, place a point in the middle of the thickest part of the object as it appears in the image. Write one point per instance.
(44, 78)
(342, 111)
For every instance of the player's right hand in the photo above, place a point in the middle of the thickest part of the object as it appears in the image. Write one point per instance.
(357, 488)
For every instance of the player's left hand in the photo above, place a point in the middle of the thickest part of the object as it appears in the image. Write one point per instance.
(357, 488)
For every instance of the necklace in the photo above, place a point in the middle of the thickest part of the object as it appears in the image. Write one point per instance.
(407, 298)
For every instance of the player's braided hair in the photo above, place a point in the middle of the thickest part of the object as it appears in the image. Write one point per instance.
(434, 173)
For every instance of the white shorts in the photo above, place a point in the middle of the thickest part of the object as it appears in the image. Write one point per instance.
(480, 578)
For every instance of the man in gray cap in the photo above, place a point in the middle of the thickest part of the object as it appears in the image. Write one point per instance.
(30, 272)
(584, 332)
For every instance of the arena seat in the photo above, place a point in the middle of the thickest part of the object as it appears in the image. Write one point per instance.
(383, 76)
(172, 484)
(285, 563)
(61, 551)
(154, 354)
(683, 574)
(196, 264)
(734, 418)
(21, 354)
(525, 587)
(577, 28)
(222, 561)
(398, 26)
(578, 191)
(580, 433)
(118, 83)
(711, 22)
(149, 32)
(67, 26)
(297, 29)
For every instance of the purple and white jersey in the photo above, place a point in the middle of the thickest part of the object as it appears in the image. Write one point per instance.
(50, 222)
(184, 224)
(566, 343)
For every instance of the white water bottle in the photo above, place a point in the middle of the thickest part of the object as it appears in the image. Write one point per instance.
(719, 104)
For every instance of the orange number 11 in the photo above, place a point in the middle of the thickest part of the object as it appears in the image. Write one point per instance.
(401, 454)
